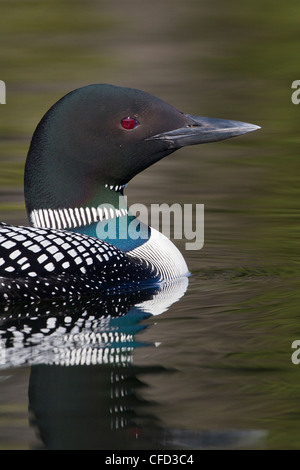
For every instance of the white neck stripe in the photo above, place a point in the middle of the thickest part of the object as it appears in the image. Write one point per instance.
(72, 218)
(115, 188)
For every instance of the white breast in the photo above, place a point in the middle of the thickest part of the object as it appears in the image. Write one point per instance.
(164, 255)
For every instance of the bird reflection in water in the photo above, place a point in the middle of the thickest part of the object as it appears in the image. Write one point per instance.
(84, 388)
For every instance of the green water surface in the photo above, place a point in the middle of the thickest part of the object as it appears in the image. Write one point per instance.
(229, 338)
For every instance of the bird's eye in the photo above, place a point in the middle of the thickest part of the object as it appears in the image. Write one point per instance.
(129, 123)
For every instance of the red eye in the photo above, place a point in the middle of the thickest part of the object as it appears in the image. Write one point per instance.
(129, 123)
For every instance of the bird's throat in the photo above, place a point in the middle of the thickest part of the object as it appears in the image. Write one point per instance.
(109, 221)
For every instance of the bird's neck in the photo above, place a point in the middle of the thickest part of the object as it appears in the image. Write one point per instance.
(106, 218)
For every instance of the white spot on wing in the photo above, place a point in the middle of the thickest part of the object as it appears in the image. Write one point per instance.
(49, 267)
(9, 244)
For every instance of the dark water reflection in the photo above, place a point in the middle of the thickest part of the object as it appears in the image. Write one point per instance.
(102, 407)
(85, 390)
(83, 386)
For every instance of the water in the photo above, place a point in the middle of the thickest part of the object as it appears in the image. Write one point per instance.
(203, 365)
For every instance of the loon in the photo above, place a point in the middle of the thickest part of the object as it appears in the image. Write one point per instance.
(82, 155)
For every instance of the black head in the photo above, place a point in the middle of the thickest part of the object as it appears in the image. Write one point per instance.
(101, 136)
